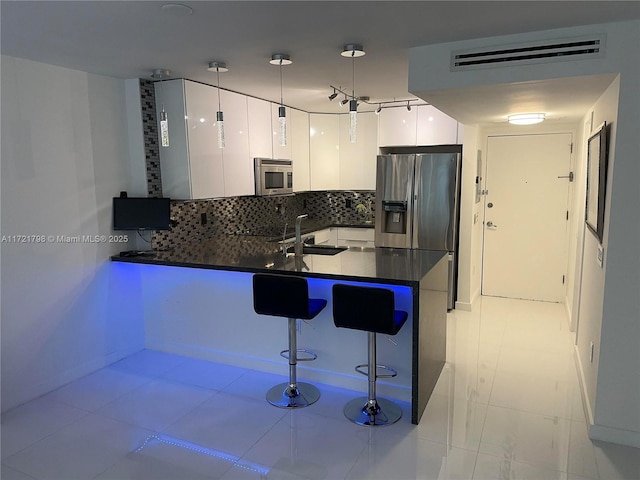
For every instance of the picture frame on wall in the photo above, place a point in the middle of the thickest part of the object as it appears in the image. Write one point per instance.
(596, 180)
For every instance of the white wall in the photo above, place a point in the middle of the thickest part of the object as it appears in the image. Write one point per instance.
(616, 407)
(66, 310)
(470, 246)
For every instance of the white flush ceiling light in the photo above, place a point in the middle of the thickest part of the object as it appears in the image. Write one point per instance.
(219, 67)
(526, 118)
(160, 74)
(281, 59)
(176, 9)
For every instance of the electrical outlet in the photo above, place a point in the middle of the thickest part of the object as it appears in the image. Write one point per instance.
(203, 219)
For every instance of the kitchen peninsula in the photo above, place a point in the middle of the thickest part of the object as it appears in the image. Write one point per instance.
(204, 309)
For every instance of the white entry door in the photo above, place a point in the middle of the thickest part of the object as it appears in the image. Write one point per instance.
(526, 209)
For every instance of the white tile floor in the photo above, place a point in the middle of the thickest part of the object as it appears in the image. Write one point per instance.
(507, 406)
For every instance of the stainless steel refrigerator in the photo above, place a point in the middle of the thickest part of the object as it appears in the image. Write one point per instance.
(417, 204)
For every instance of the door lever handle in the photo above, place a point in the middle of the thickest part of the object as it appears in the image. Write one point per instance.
(491, 224)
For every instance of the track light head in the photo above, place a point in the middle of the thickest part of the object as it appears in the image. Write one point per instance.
(408, 106)
(344, 102)
(333, 95)
(379, 109)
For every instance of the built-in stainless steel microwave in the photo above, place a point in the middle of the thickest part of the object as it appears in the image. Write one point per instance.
(273, 177)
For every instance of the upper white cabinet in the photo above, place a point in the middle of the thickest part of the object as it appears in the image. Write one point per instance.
(193, 166)
(260, 137)
(423, 125)
(397, 126)
(357, 160)
(238, 169)
(192, 163)
(324, 141)
(299, 139)
(279, 151)
(435, 127)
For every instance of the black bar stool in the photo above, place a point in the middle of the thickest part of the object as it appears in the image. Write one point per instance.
(372, 310)
(288, 296)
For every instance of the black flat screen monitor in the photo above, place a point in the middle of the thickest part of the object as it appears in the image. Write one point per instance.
(130, 213)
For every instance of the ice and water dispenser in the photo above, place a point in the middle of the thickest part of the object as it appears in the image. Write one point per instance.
(394, 216)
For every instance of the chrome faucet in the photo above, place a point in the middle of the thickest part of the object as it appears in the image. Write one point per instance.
(298, 244)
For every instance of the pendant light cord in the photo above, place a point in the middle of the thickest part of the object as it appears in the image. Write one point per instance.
(218, 74)
(281, 101)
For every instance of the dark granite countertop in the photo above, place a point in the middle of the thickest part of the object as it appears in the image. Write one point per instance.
(308, 225)
(246, 253)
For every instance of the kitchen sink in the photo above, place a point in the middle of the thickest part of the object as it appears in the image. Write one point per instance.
(319, 249)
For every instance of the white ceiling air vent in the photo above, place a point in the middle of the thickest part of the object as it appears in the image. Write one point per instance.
(542, 51)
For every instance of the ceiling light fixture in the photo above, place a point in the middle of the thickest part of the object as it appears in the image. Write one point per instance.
(353, 51)
(345, 101)
(526, 118)
(160, 74)
(379, 109)
(333, 95)
(219, 67)
(408, 105)
(281, 59)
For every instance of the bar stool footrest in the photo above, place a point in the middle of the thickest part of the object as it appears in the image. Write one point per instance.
(307, 355)
(364, 370)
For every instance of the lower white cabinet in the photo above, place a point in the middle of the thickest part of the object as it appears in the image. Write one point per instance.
(328, 236)
(355, 237)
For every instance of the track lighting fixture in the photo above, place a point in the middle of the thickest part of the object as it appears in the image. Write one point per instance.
(219, 67)
(379, 109)
(344, 102)
(281, 59)
(333, 95)
(161, 74)
(408, 105)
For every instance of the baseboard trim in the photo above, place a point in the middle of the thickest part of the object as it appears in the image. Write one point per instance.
(352, 382)
(468, 306)
(69, 376)
(583, 389)
(614, 435)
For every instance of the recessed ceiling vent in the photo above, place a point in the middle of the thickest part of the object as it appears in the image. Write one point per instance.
(544, 51)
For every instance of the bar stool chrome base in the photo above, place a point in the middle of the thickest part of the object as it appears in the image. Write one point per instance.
(285, 395)
(378, 412)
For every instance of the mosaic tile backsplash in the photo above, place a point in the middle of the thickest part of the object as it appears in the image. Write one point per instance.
(150, 133)
(267, 216)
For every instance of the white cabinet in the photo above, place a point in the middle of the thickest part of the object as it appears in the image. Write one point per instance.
(192, 163)
(328, 236)
(260, 136)
(299, 132)
(324, 141)
(397, 126)
(435, 127)
(358, 160)
(280, 151)
(355, 237)
(193, 166)
(237, 162)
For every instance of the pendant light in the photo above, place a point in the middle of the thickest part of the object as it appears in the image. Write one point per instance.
(219, 67)
(281, 59)
(353, 50)
(160, 74)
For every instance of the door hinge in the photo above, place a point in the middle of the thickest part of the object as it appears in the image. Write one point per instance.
(571, 147)
(567, 214)
(484, 192)
(563, 279)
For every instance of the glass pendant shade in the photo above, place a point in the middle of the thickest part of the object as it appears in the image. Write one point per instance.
(353, 120)
(164, 129)
(220, 127)
(282, 120)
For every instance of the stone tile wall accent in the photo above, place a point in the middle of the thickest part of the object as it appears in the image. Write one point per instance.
(150, 133)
